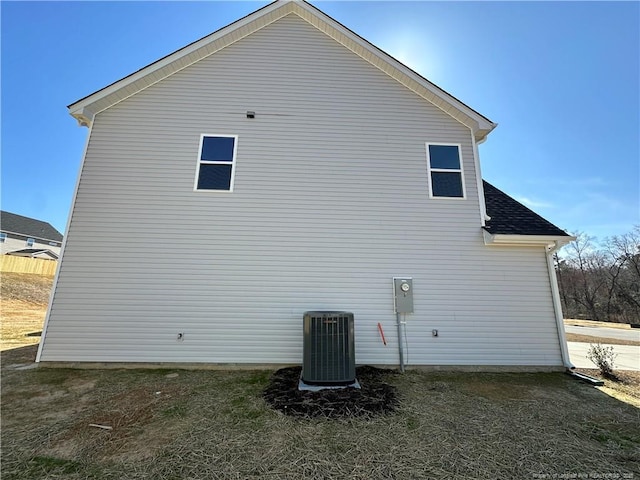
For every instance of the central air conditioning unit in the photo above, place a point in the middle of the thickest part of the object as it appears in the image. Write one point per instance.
(329, 352)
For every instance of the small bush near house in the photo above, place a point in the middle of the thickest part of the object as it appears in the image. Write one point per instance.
(603, 357)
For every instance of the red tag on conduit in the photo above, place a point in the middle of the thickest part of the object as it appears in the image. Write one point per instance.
(381, 333)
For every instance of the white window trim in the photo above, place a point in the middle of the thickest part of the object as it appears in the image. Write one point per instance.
(446, 170)
(208, 162)
(33, 242)
(3, 237)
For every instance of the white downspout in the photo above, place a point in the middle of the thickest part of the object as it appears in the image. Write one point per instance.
(557, 305)
(476, 161)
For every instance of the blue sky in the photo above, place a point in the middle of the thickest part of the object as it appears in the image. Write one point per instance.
(562, 80)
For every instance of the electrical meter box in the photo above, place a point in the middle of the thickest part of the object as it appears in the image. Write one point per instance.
(403, 294)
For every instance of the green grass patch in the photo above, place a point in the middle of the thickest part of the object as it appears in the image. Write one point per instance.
(53, 376)
(50, 465)
(259, 378)
(177, 411)
(621, 435)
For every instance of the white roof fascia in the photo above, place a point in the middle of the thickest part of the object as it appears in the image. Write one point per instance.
(85, 109)
(525, 240)
(31, 236)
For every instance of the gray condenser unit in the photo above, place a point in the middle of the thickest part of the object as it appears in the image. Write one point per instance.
(329, 353)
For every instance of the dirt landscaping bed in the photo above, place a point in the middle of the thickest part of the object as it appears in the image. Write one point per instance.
(170, 424)
(625, 387)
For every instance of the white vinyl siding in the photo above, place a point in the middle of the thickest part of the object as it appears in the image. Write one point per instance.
(330, 202)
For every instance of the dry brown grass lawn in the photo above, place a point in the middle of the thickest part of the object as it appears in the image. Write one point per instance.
(25, 287)
(625, 388)
(23, 306)
(169, 424)
(18, 319)
(575, 337)
(595, 323)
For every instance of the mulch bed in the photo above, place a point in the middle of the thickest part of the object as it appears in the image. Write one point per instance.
(375, 397)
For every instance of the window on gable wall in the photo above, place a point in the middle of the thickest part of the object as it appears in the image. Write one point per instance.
(216, 162)
(444, 165)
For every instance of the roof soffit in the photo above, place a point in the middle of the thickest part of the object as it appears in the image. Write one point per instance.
(520, 240)
(86, 108)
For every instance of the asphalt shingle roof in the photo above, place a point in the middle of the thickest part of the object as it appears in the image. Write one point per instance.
(510, 217)
(30, 227)
(30, 252)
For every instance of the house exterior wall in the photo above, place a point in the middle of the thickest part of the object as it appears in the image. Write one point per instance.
(15, 242)
(330, 202)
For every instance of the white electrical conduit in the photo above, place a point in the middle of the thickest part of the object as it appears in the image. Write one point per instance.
(400, 350)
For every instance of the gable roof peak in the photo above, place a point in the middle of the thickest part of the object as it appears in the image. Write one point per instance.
(85, 109)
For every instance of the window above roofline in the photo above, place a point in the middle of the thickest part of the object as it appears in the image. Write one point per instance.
(445, 177)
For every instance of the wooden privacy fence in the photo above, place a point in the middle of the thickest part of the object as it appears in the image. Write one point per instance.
(36, 266)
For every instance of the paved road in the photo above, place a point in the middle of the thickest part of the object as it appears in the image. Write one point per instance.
(628, 356)
(605, 332)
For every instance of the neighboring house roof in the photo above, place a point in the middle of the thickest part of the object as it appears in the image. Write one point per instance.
(86, 108)
(29, 227)
(33, 252)
(510, 217)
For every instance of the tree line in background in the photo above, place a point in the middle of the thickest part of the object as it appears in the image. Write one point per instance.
(601, 280)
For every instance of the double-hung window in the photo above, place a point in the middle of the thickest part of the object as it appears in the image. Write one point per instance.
(444, 166)
(216, 162)
(30, 242)
(3, 237)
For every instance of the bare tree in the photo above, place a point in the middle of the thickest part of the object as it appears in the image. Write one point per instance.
(601, 282)
(625, 254)
(587, 281)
